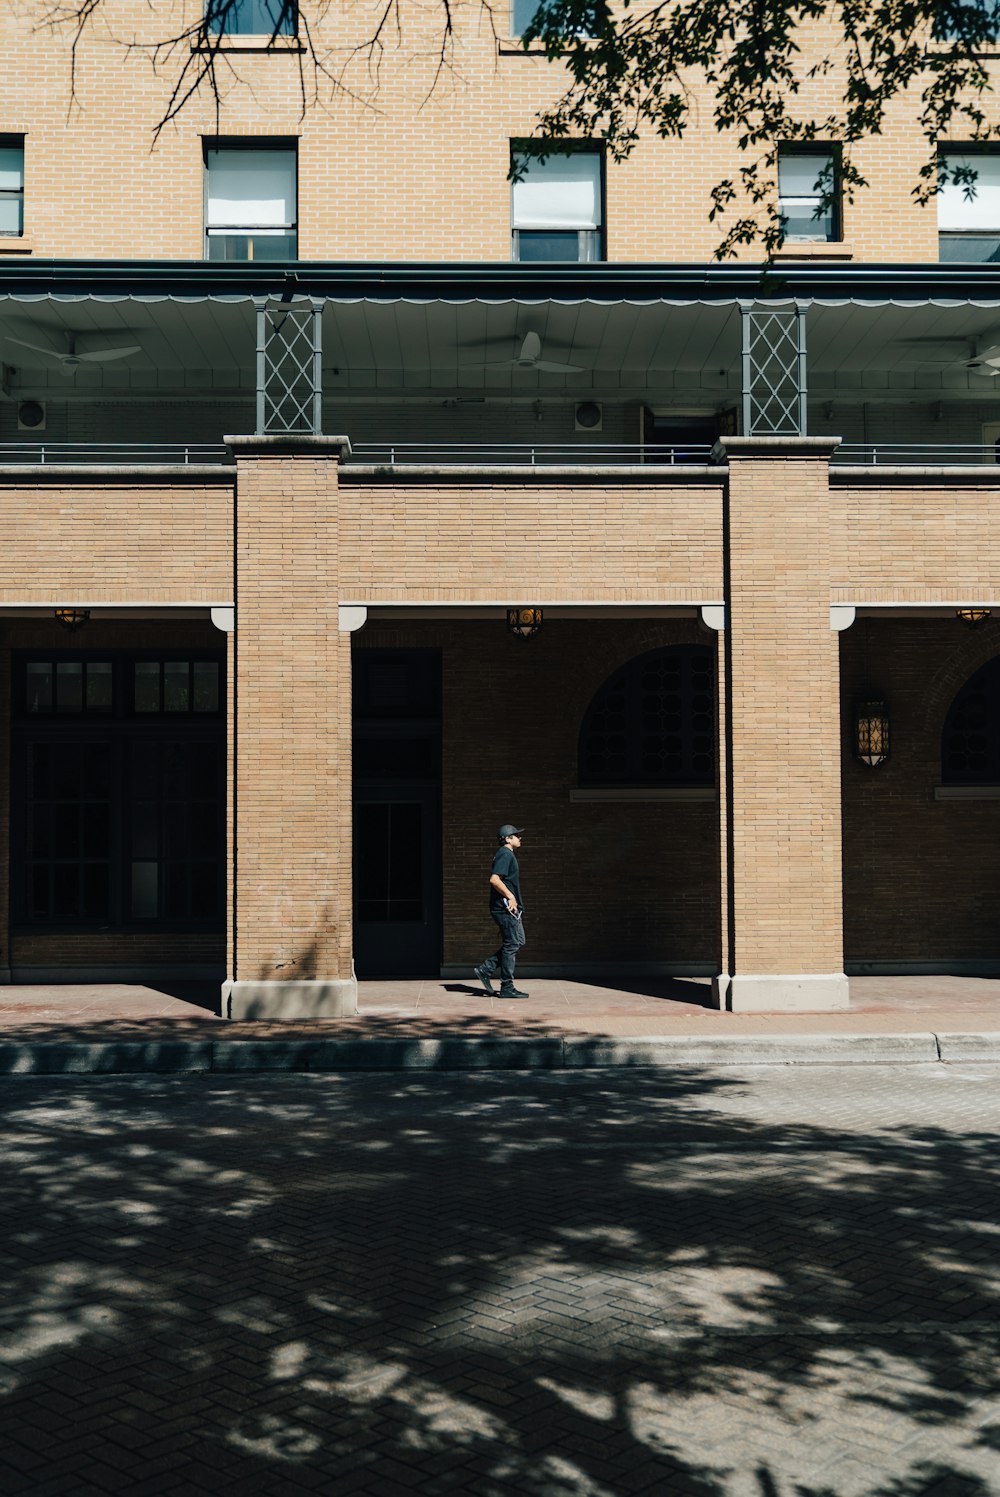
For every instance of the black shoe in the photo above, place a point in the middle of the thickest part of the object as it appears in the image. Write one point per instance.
(513, 993)
(484, 979)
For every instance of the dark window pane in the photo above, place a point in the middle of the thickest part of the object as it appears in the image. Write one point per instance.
(176, 685)
(96, 891)
(96, 830)
(206, 686)
(95, 765)
(38, 686)
(65, 784)
(204, 829)
(39, 770)
(66, 831)
(145, 833)
(204, 890)
(69, 686)
(983, 248)
(39, 831)
(39, 893)
(66, 891)
(372, 833)
(548, 244)
(145, 890)
(98, 686)
(175, 890)
(147, 686)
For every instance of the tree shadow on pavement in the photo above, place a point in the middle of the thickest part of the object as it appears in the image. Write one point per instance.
(593, 1284)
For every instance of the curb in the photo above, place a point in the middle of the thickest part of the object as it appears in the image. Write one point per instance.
(456, 1053)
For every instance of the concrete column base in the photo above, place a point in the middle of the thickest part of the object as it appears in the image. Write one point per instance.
(785, 992)
(324, 998)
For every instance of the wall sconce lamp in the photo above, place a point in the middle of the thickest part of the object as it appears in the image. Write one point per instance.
(72, 618)
(972, 616)
(524, 622)
(871, 732)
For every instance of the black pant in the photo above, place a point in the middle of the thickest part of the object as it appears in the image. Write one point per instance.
(511, 941)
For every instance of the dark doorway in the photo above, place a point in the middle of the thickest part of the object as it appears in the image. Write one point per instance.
(397, 813)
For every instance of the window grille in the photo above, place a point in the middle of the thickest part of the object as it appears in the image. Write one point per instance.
(653, 722)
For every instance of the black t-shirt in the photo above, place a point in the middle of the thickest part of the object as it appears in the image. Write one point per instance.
(505, 864)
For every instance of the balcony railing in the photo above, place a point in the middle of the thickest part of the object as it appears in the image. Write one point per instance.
(490, 454)
(914, 454)
(528, 454)
(113, 454)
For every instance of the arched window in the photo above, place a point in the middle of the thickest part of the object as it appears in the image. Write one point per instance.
(970, 743)
(653, 722)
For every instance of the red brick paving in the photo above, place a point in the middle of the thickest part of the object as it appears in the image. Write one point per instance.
(654, 1006)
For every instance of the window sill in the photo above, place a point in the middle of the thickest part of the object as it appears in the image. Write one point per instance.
(250, 44)
(638, 793)
(822, 249)
(15, 244)
(967, 792)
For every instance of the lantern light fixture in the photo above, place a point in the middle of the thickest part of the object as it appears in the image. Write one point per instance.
(524, 622)
(972, 616)
(72, 618)
(871, 732)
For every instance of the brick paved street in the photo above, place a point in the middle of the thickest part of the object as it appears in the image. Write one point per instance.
(761, 1283)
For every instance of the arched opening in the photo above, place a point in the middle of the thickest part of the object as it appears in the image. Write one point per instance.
(652, 724)
(970, 739)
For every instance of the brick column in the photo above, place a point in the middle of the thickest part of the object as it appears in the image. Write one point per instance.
(5, 974)
(290, 901)
(781, 795)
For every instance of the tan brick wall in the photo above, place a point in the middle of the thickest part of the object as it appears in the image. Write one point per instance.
(467, 538)
(146, 540)
(921, 876)
(411, 172)
(293, 727)
(785, 713)
(914, 540)
(632, 881)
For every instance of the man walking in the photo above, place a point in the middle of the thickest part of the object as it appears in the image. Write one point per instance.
(506, 909)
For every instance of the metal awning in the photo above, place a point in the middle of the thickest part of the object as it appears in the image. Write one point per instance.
(659, 333)
(493, 284)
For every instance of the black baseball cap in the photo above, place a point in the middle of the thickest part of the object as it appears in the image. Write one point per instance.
(509, 831)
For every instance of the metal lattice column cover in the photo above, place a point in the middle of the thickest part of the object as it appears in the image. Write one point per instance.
(774, 371)
(289, 366)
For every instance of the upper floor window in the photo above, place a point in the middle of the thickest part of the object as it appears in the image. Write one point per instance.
(969, 205)
(11, 184)
(251, 17)
(251, 202)
(808, 193)
(523, 12)
(653, 722)
(557, 206)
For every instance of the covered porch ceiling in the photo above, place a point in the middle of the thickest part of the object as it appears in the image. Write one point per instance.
(412, 337)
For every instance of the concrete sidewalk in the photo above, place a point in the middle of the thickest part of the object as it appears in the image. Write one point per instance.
(448, 1025)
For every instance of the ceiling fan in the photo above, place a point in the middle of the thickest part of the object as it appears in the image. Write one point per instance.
(70, 358)
(528, 358)
(983, 361)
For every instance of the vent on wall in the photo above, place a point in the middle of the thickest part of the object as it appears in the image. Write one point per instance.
(31, 415)
(589, 416)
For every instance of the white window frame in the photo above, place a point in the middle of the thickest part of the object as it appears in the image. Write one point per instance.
(269, 228)
(820, 235)
(14, 194)
(965, 214)
(589, 229)
(240, 31)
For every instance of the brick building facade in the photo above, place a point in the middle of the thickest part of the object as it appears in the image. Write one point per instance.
(276, 742)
